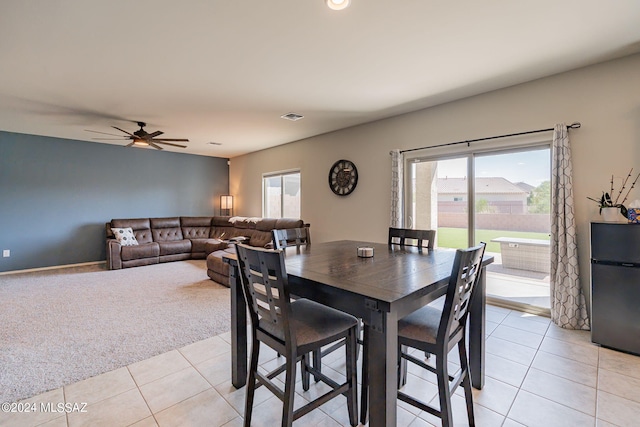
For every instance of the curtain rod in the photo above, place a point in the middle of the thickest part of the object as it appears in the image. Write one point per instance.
(575, 125)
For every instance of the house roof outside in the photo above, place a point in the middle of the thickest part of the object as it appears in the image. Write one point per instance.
(526, 187)
(484, 185)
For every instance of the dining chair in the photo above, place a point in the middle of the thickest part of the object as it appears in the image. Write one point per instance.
(438, 331)
(283, 238)
(399, 237)
(299, 237)
(294, 328)
(410, 237)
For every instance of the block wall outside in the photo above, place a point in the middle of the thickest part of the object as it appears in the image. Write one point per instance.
(538, 223)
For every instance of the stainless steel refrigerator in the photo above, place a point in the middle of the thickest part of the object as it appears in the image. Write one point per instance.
(615, 285)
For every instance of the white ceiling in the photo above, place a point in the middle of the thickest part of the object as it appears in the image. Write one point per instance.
(225, 70)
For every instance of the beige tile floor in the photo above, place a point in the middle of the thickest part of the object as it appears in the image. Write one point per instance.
(537, 375)
(518, 286)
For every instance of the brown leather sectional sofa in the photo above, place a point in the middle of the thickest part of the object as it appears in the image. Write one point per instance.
(180, 238)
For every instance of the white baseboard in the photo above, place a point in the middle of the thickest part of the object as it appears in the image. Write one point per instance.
(53, 267)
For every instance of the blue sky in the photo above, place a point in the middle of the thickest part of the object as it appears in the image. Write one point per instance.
(532, 167)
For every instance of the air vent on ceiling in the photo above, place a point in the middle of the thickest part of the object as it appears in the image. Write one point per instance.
(292, 116)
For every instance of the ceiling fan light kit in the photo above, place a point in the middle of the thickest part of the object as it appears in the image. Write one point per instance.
(338, 4)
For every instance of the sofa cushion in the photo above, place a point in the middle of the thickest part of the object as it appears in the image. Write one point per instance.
(282, 223)
(167, 234)
(170, 222)
(244, 222)
(166, 229)
(262, 235)
(140, 226)
(195, 221)
(221, 221)
(215, 262)
(196, 232)
(207, 245)
(145, 250)
(266, 224)
(125, 236)
(175, 247)
(195, 227)
(135, 224)
(260, 239)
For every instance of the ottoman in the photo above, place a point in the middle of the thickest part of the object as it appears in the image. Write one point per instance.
(218, 270)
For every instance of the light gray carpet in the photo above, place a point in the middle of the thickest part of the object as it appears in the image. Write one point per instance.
(61, 326)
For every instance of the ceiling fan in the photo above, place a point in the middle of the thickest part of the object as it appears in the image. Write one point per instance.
(142, 138)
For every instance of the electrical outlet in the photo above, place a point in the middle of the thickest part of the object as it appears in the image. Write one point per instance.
(6, 253)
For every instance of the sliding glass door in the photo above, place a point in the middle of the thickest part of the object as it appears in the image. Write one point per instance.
(506, 204)
(512, 215)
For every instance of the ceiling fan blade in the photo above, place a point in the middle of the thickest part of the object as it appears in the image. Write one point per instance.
(123, 138)
(157, 147)
(173, 139)
(103, 133)
(130, 144)
(154, 134)
(128, 133)
(169, 143)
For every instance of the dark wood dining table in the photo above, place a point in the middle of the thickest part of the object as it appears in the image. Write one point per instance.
(396, 281)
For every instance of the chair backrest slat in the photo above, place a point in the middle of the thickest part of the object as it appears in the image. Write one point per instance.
(464, 277)
(410, 237)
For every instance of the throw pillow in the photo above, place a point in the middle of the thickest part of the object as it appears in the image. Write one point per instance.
(125, 236)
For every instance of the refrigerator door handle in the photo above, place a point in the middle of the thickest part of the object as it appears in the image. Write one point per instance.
(616, 263)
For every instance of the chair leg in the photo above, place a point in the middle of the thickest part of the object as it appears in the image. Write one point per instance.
(304, 370)
(317, 362)
(444, 392)
(403, 367)
(289, 391)
(466, 382)
(351, 362)
(359, 332)
(251, 381)
(364, 394)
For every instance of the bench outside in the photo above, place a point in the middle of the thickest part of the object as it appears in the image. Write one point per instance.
(525, 254)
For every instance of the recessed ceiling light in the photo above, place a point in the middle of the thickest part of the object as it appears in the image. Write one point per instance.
(338, 4)
(291, 116)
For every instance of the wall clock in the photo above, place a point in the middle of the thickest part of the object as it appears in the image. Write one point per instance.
(343, 177)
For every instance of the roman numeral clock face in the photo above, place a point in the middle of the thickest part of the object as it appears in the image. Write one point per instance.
(343, 177)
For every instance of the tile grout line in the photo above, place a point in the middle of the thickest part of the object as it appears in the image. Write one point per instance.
(213, 387)
(64, 398)
(597, 385)
(520, 386)
(529, 367)
(546, 398)
(143, 398)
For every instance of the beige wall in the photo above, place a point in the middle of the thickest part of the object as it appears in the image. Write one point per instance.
(605, 98)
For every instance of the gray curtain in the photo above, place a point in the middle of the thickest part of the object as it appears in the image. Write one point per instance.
(397, 179)
(568, 306)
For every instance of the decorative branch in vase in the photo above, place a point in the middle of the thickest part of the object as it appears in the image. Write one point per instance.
(606, 200)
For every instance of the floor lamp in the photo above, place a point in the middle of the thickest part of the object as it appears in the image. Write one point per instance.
(226, 205)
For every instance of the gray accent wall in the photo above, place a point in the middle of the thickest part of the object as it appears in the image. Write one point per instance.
(56, 194)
